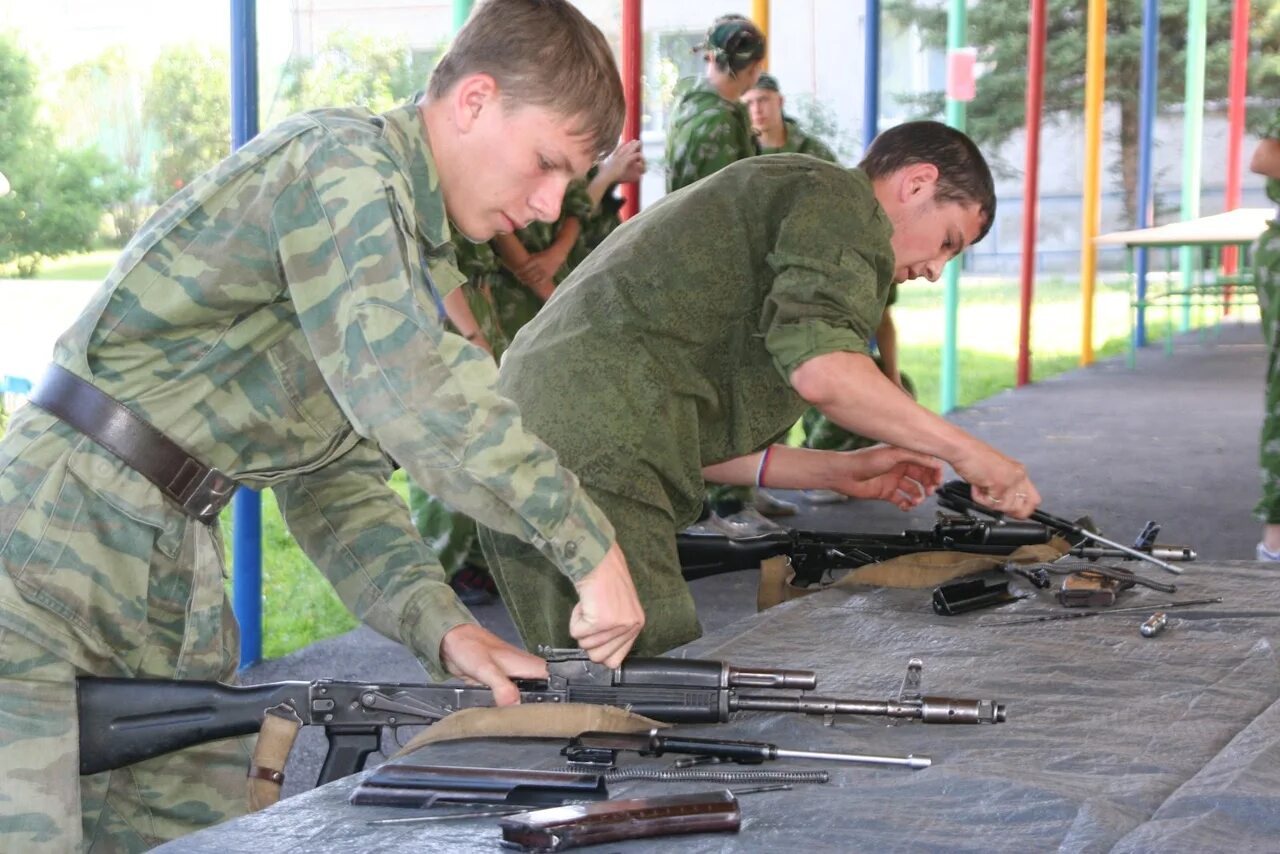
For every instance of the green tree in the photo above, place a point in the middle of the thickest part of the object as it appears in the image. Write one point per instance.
(355, 70)
(101, 105)
(187, 106)
(57, 197)
(998, 28)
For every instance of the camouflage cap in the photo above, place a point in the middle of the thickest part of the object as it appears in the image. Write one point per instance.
(769, 82)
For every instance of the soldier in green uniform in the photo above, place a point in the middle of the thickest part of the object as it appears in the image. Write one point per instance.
(709, 126)
(1266, 259)
(278, 323)
(500, 298)
(776, 132)
(693, 339)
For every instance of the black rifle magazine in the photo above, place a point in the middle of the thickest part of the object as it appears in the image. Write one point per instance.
(971, 593)
(422, 786)
(561, 828)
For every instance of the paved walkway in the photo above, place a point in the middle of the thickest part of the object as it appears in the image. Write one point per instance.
(1174, 440)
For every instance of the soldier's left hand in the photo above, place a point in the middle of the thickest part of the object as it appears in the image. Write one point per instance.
(476, 654)
(887, 473)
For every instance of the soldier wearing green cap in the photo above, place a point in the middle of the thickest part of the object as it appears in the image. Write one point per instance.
(776, 132)
(709, 126)
(692, 340)
(277, 323)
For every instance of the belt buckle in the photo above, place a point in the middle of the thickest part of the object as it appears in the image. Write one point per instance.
(210, 495)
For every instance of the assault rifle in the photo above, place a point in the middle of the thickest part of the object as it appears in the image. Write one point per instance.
(123, 721)
(705, 550)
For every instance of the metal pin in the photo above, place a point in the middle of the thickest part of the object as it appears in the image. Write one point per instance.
(1154, 624)
(419, 819)
(781, 787)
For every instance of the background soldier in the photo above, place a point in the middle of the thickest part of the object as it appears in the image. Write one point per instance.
(1266, 259)
(277, 323)
(776, 132)
(709, 127)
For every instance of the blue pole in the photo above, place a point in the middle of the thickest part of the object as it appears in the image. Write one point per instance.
(871, 75)
(1146, 126)
(246, 509)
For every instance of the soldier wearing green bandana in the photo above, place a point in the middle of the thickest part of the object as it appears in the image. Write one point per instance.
(279, 321)
(709, 126)
(1266, 259)
(689, 343)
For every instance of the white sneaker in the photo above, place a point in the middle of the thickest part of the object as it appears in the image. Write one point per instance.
(1263, 553)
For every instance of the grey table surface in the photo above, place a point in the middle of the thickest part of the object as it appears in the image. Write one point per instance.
(1114, 742)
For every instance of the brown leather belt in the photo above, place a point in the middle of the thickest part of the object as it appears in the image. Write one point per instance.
(200, 490)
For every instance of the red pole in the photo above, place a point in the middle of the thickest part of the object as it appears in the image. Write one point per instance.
(1235, 125)
(632, 53)
(1036, 35)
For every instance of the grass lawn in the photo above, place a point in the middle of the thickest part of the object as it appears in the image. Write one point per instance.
(90, 265)
(300, 607)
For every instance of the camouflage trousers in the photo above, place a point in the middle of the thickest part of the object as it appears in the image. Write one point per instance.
(98, 576)
(541, 599)
(1266, 258)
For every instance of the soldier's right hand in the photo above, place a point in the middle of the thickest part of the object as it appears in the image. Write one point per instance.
(476, 654)
(998, 482)
(608, 616)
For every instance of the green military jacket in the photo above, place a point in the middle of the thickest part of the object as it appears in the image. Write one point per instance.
(799, 142)
(707, 133)
(280, 318)
(671, 346)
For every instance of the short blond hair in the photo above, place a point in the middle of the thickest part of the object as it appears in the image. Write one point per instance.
(541, 53)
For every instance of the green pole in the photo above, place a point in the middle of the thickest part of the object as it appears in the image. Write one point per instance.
(461, 9)
(957, 23)
(1192, 124)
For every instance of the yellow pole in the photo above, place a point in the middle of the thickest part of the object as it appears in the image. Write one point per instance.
(760, 14)
(1095, 81)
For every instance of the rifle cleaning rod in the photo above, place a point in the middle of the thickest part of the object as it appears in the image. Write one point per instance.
(1077, 615)
(1053, 521)
(910, 760)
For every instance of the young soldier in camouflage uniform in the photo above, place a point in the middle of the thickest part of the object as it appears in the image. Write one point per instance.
(278, 320)
(697, 334)
(498, 303)
(709, 127)
(1266, 259)
(776, 132)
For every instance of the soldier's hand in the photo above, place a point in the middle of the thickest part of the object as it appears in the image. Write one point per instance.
(999, 482)
(476, 654)
(625, 164)
(608, 616)
(887, 473)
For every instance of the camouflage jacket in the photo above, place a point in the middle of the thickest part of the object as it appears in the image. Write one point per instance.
(799, 142)
(707, 133)
(280, 319)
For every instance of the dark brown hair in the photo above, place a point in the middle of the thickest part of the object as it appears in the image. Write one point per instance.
(541, 53)
(963, 174)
